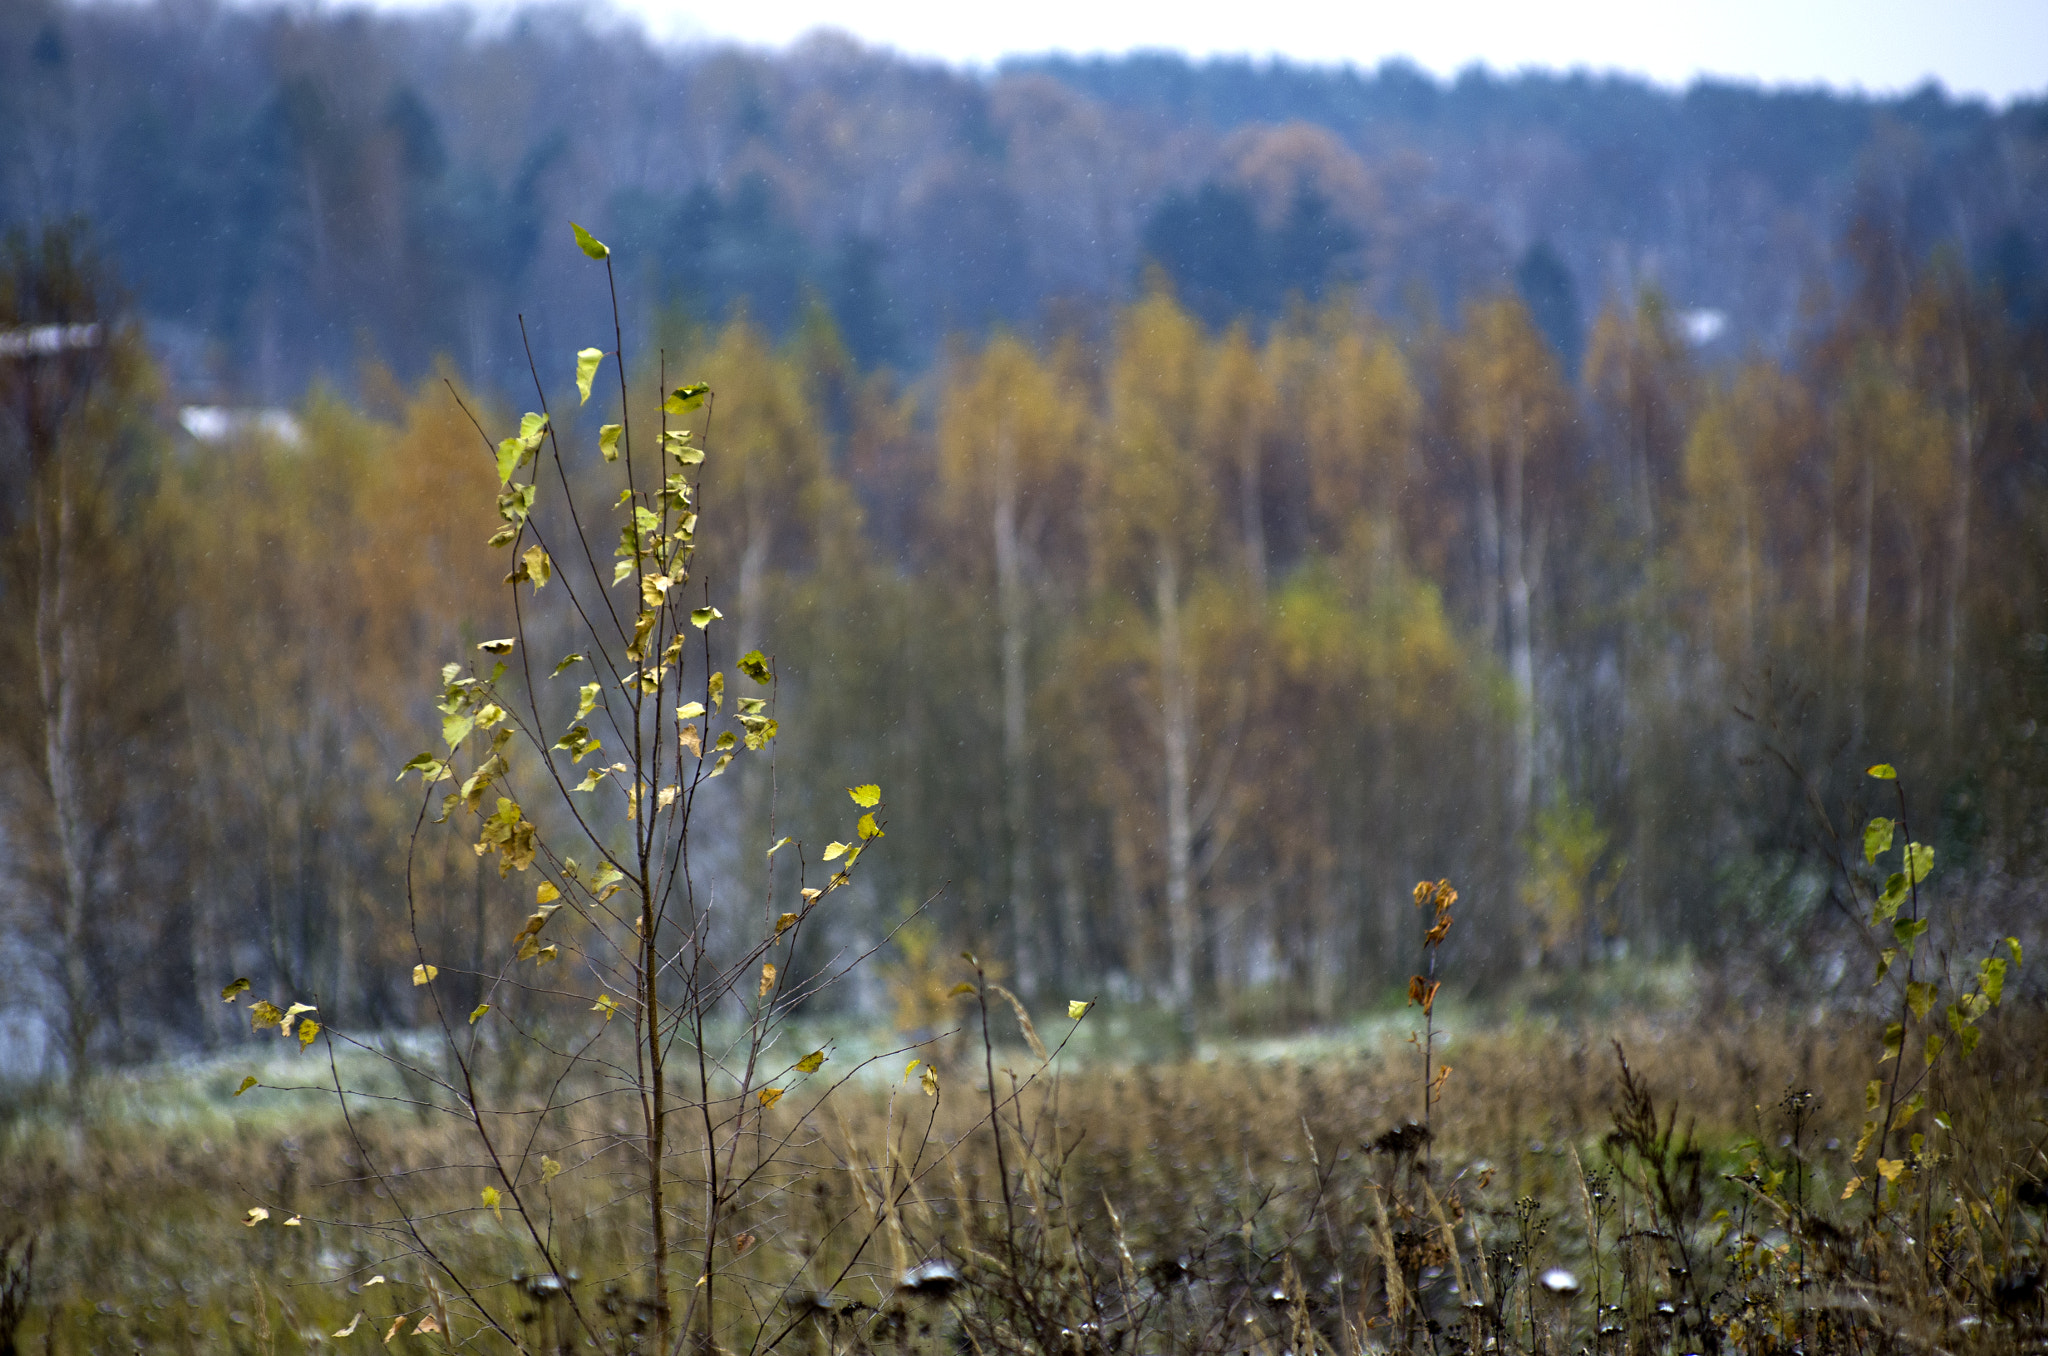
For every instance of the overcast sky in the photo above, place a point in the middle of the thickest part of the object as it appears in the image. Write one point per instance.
(1994, 48)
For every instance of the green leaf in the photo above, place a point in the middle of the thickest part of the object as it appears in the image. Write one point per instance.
(1920, 998)
(491, 1199)
(1919, 861)
(510, 454)
(247, 1084)
(430, 768)
(1895, 890)
(1934, 1044)
(1885, 772)
(608, 440)
(1908, 930)
(586, 371)
(686, 398)
(833, 851)
(538, 568)
(1877, 838)
(238, 986)
(1991, 977)
(689, 710)
(755, 665)
(589, 243)
(586, 699)
(1873, 1093)
(2013, 945)
(704, 616)
(1884, 963)
(567, 660)
(867, 797)
(1894, 1040)
(811, 1063)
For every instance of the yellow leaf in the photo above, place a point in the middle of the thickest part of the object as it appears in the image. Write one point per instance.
(811, 1062)
(690, 739)
(1077, 1009)
(546, 954)
(784, 923)
(549, 1169)
(490, 1195)
(353, 1324)
(605, 1004)
(265, 1013)
(767, 978)
(503, 646)
(374, 1280)
(780, 844)
(1855, 1183)
(587, 360)
(867, 828)
(930, 1078)
(247, 1084)
(257, 1214)
(478, 1013)
(1890, 1168)
(239, 986)
(424, 974)
(811, 894)
(309, 1031)
(962, 987)
(428, 1324)
(769, 1096)
(392, 1331)
(867, 797)
(911, 1067)
(689, 710)
(294, 1222)
(833, 851)
(546, 893)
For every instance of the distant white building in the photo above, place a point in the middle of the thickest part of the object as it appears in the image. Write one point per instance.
(224, 423)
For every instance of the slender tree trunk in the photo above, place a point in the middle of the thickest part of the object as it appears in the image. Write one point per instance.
(1958, 543)
(1859, 603)
(1251, 517)
(1521, 646)
(1489, 549)
(57, 663)
(1010, 604)
(1177, 739)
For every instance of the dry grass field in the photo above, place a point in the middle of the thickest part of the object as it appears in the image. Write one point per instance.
(1283, 1205)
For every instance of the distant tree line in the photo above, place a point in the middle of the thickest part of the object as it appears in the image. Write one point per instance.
(1181, 651)
(290, 191)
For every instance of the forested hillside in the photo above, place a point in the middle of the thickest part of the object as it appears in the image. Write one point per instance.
(1207, 499)
(289, 192)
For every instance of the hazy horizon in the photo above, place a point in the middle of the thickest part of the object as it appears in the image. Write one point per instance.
(1877, 50)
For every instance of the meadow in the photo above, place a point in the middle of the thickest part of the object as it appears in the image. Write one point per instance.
(1267, 1198)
